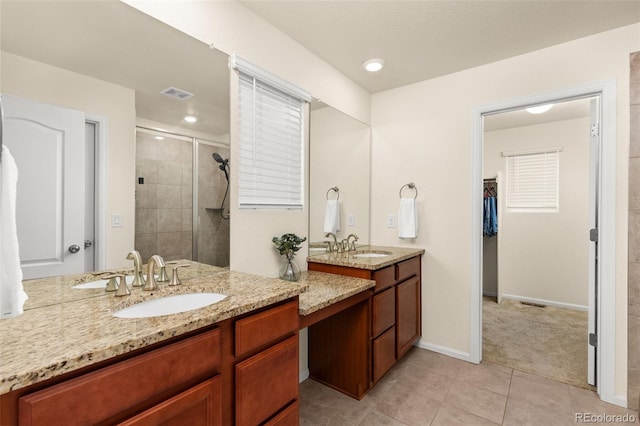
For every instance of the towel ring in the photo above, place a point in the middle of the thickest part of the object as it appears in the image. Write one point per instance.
(409, 185)
(336, 190)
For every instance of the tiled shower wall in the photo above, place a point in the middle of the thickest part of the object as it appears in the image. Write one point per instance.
(633, 378)
(164, 202)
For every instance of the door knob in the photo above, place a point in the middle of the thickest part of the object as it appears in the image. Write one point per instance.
(74, 248)
(87, 244)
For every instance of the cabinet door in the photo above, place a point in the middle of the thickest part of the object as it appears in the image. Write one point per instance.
(290, 416)
(266, 382)
(199, 406)
(384, 353)
(384, 311)
(407, 315)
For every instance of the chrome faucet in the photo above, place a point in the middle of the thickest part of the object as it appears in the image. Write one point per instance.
(138, 278)
(352, 245)
(152, 284)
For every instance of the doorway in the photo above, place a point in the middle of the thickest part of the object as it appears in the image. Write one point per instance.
(537, 263)
(604, 206)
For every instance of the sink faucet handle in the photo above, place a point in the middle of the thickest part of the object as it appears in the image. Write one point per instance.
(175, 279)
(122, 287)
(112, 285)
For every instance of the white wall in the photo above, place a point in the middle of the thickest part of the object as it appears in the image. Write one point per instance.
(545, 255)
(45, 83)
(339, 157)
(423, 133)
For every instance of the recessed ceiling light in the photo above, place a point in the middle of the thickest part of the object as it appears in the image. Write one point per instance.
(159, 138)
(373, 65)
(190, 119)
(539, 109)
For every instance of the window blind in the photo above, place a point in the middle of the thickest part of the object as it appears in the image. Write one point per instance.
(532, 181)
(271, 140)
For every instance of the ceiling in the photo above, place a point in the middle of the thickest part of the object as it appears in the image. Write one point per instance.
(112, 41)
(423, 39)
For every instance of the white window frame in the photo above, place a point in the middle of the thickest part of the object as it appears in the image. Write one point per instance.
(271, 172)
(518, 196)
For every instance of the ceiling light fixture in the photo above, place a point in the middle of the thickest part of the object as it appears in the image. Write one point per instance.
(159, 138)
(373, 65)
(539, 109)
(190, 119)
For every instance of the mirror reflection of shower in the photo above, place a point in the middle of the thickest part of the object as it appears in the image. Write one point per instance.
(224, 166)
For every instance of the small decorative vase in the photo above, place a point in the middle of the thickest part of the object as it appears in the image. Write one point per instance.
(289, 271)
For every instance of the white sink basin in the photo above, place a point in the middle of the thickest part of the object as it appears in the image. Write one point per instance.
(169, 305)
(369, 255)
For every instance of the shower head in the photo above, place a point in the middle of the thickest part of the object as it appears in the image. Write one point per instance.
(224, 164)
(219, 158)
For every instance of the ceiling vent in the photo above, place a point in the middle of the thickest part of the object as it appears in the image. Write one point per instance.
(176, 93)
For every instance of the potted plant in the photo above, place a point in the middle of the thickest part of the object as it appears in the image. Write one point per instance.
(288, 245)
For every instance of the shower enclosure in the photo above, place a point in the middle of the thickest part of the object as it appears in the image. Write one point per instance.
(179, 207)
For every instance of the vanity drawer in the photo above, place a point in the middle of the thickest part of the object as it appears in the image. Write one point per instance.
(290, 416)
(384, 311)
(408, 269)
(260, 329)
(266, 382)
(384, 278)
(384, 353)
(100, 395)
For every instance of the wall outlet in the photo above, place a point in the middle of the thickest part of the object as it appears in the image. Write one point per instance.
(391, 221)
(351, 219)
(116, 220)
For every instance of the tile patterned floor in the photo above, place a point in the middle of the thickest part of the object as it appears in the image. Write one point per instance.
(426, 388)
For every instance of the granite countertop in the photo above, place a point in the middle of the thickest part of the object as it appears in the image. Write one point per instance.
(63, 329)
(326, 289)
(349, 259)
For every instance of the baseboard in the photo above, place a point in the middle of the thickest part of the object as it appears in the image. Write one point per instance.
(454, 353)
(490, 293)
(304, 375)
(545, 302)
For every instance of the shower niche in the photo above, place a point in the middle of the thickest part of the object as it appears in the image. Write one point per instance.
(182, 211)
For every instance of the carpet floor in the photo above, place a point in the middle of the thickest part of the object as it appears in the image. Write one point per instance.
(546, 341)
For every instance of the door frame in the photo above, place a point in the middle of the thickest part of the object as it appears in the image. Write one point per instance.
(101, 178)
(606, 209)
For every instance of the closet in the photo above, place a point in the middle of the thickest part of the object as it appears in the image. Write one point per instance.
(489, 239)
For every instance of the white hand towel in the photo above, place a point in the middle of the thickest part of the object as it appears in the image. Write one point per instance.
(12, 295)
(332, 217)
(408, 218)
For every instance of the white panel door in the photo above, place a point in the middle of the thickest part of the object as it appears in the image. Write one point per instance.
(47, 143)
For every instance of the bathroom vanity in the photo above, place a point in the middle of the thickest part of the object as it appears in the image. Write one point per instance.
(69, 361)
(352, 359)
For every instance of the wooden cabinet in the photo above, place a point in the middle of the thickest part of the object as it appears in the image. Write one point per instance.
(395, 317)
(265, 367)
(113, 393)
(243, 371)
(199, 406)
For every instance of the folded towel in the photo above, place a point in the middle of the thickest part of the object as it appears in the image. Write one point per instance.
(332, 217)
(408, 218)
(12, 295)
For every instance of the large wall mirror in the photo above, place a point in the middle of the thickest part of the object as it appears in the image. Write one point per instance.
(340, 153)
(64, 54)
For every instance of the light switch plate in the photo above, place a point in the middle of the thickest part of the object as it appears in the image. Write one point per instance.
(351, 219)
(116, 220)
(391, 221)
